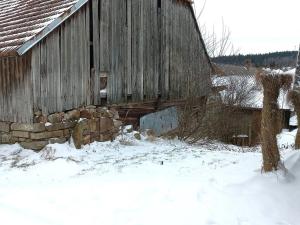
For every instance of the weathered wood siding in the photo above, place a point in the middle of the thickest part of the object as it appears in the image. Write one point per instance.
(61, 66)
(185, 66)
(15, 89)
(146, 48)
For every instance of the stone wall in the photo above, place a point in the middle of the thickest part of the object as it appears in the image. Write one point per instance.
(85, 125)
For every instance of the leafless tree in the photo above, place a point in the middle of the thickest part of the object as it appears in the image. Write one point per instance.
(216, 44)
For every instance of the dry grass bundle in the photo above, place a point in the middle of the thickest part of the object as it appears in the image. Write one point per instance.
(191, 116)
(294, 97)
(276, 80)
(272, 83)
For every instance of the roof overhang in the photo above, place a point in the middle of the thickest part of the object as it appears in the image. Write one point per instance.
(52, 26)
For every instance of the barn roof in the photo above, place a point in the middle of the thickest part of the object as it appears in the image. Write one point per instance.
(21, 21)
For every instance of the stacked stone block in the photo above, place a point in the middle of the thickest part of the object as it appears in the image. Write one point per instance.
(85, 125)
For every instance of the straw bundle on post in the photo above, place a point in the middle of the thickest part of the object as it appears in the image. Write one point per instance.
(272, 83)
(294, 97)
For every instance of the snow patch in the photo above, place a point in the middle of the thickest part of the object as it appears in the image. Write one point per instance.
(147, 182)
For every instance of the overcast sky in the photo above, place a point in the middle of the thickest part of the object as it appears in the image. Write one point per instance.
(257, 26)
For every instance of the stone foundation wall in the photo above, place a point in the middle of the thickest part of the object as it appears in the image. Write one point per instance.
(85, 125)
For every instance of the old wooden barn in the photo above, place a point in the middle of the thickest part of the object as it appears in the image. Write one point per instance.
(57, 55)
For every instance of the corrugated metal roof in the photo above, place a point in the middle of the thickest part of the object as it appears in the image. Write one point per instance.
(22, 20)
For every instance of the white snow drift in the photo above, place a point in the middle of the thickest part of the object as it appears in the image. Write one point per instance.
(147, 182)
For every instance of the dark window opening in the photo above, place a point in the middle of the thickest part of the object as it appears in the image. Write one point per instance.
(103, 80)
(159, 4)
(103, 87)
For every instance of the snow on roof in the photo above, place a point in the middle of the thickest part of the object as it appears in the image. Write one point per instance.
(230, 70)
(22, 20)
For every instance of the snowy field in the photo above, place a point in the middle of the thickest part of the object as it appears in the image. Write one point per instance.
(147, 182)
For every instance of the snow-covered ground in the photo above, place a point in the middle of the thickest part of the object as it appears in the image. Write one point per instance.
(147, 182)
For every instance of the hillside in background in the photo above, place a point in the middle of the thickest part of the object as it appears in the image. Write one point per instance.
(274, 59)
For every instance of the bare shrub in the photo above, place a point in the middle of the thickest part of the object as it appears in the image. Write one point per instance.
(191, 116)
(49, 153)
(219, 117)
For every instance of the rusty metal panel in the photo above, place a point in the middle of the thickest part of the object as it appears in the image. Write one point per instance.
(160, 122)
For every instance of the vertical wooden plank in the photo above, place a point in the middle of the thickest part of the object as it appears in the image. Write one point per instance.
(65, 62)
(96, 52)
(111, 91)
(172, 22)
(134, 47)
(137, 50)
(116, 79)
(105, 35)
(129, 47)
(141, 51)
(81, 75)
(28, 90)
(56, 71)
(165, 10)
(150, 48)
(43, 71)
(87, 58)
(74, 59)
(156, 48)
(53, 102)
(36, 79)
(147, 53)
(123, 54)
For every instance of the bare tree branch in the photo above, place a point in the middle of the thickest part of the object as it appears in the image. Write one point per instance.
(216, 45)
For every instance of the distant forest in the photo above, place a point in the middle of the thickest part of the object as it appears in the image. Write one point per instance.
(274, 60)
